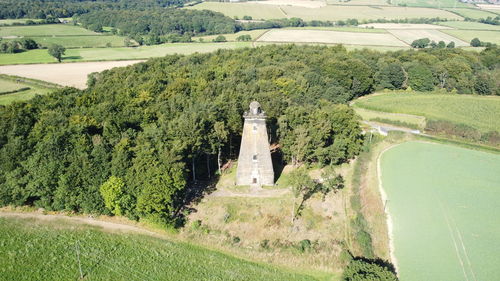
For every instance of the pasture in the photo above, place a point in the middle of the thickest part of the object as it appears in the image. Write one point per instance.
(22, 89)
(13, 21)
(256, 11)
(470, 25)
(482, 113)
(44, 30)
(431, 3)
(483, 35)
(442, 202)
(106, 54)
(34, 248)
(409, 35)
(330, 37)
(90, 41)
(232, 36)
(472, 13)
(402, 26)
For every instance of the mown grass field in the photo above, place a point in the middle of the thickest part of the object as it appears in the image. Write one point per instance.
(482, 113)
(34, 249)
(483, 35)
(443, 203)
(337, 12)
(9, 83)
(11, 21)
(330, 37)
(470, 25)
(104, 54)
(232, 36)
(431, 3)
(97, 41)
(472, 13)
(44, 30)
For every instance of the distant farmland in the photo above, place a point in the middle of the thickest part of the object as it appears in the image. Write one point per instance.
(44, 30)
(434, 35)
(330, 37)
(483, 35)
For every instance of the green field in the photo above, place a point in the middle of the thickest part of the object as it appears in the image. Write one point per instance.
(33, 249)
(482, 113)
(468, 35)
(232, 36)
(97, 41)
(260, 11)
(10, 83)
(470, 25)
(443, 201)
(103, 54)
(11, 21)
(44, 30)
(472, 13)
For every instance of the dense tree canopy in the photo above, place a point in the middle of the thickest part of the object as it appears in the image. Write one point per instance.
(138, 136)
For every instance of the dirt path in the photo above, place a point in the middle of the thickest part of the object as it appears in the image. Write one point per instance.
(65, 74)
(106, 225)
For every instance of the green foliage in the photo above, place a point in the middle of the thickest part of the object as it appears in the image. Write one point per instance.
(421, 43)
(451, 45)
(475, 42)
(420, 78)
(220, 38)
(112, 192)
(392, 76)
(245, 37)
(369, 270)
(57, 51)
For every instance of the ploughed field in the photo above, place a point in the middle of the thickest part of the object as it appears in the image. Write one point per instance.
(30, 249)
(443, 201)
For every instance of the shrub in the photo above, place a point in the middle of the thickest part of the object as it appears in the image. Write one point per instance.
(264, 244)
(475, 42)
(361, 269)
(220, 38)
(304, 245)
(236, 240)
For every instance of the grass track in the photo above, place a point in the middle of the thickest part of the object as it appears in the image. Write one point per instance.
(31, 249)
(442, 200)
(482, 113)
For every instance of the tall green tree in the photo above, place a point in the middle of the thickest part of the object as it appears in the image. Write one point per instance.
(57, 51)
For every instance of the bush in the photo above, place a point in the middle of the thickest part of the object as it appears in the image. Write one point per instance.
(245, 37)
(236, 240)
(264, 244)
(304, 245)
(220, 38)
(361, 269)
(475, 42)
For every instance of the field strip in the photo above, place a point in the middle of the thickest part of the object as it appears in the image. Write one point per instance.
(408, 36)
(331, 37)
(383, 195)
(404, 26)
(66, 74)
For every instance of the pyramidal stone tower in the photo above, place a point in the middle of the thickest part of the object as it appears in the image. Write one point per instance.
(255, 166)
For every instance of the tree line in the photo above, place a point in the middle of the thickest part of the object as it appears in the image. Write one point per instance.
(138, 140)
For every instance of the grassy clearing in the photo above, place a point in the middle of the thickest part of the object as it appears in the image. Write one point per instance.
(370, 115)
(482, 113)
(12, 21)
(470, 25)
(33, 248)
(106, 54)
(436, 195)
(483, 35)
(409, 36)
(330, 37)
(44, 30)
(97, 41)
(12, 83)
(472, 13)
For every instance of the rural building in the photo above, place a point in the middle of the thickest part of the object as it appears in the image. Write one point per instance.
(255, 166)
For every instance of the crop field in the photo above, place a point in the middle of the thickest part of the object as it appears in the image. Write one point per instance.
(483, 35)
(402, 26)
(44, 30)
(26, 89)
(410, 35)
(443, 204)
(482, 113)
(31, 249)
(106, 54)
(343, 28)
(358, 2)
(470, 25)
(232, 36)
(330, 37)
(431, 3)
(337, 12)
(472, 13)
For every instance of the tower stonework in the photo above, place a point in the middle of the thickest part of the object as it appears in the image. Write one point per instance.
(255, 166)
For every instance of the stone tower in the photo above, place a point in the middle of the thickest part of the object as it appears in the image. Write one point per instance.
(255, 166)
